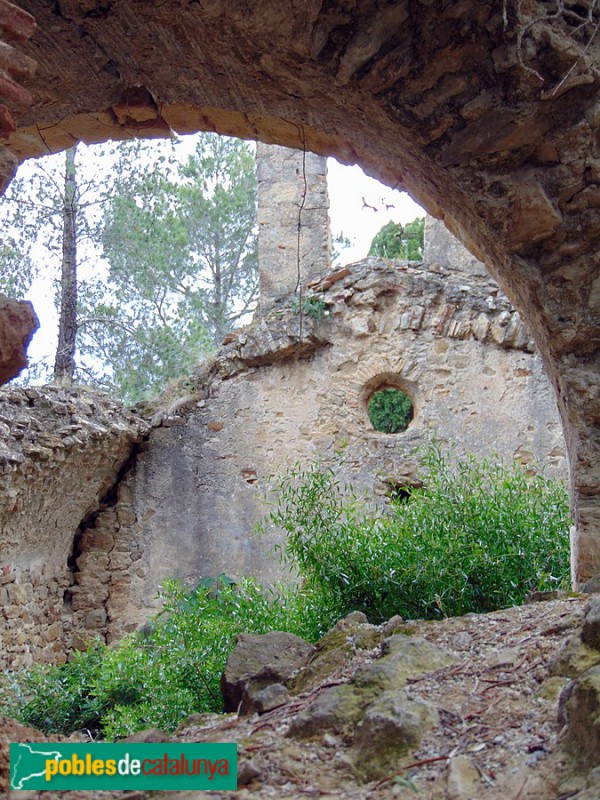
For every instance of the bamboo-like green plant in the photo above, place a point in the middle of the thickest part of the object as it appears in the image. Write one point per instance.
(478, 536)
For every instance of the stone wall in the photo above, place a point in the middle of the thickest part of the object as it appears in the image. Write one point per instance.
(61, 452)
(487, 113)
(97, 511)
(292, 189)
(273, 397)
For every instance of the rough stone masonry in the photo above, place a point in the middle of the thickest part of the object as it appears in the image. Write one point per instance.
(97, 509)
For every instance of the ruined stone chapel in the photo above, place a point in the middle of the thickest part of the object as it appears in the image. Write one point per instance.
(101, 504)
(487, 113)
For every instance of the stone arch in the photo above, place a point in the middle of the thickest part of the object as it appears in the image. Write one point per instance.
(384, 372)
(494, 131)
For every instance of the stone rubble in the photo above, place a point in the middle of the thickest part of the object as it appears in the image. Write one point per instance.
(485, 720)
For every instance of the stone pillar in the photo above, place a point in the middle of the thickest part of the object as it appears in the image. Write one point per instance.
(444, 250)
(281, 187)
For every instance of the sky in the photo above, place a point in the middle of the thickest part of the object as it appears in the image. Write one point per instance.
(348, 215)
(347, 188)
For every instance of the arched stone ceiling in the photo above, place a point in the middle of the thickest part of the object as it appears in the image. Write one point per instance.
(487, 112)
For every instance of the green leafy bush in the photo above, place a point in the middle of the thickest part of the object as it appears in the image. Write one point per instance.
(61, 699)
(390, 410)
(171, 669)
(477, 537)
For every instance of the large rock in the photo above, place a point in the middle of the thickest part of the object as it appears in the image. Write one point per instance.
(579, 709)
(403, 657)
(392, 725)
(591, 624)
(373, 710)
(13, 731)
(573, 658)
(18, 323)
(336, 709)
(261, 660)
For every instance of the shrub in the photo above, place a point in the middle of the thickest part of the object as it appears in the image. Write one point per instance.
(61, 699)
(158, 677)
(311, 306)
(477, 537)
(390, 410)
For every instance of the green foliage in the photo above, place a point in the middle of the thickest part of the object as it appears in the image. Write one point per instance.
(478, 537)
(31, 220)
(390, 410)
(403, 243)
(166, 253)
(16, 270)
(168, 670)
(181, 243)
(57, 699)
(312, 306)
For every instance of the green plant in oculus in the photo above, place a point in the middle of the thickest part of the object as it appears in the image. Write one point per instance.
(390, 410)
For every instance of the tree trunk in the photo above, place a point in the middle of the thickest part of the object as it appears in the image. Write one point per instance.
(64, 364)
(218, 304)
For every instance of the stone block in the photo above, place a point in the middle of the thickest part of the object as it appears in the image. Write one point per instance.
(265, 699)
(18, 593)
(590, 633)
(337, 710)
(532, 218)
(274, 657)
(392, 725)
(579, 708)
(97, 540)
(95, 619)
(463, 779)
(53, 632)
(126, 516)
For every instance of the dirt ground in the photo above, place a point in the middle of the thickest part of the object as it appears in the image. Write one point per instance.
(498, 736)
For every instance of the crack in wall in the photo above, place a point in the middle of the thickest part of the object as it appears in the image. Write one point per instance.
(105, 549)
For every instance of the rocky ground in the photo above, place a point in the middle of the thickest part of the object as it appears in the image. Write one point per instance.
(483, 707)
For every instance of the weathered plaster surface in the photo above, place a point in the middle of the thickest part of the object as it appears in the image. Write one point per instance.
(272, 398)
